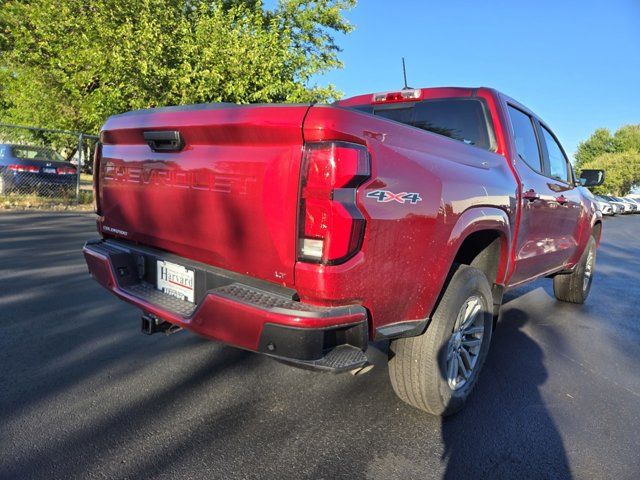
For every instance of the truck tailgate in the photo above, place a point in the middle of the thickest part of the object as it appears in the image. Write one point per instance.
(228, 198)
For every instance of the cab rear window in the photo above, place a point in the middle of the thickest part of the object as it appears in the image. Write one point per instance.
(463, 119)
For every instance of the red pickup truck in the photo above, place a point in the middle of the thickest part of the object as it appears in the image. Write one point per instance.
(305, 232)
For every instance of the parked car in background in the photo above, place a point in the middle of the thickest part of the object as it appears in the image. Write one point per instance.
(27, 168)
(632, 207)
(634, 200)
(617, 208)
(622, 206)
(604, 206)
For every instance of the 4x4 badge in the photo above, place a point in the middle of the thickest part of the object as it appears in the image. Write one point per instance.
(385, 196)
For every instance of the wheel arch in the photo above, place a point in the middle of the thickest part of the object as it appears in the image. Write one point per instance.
(481, 237)
(597, 230)
(484, 243)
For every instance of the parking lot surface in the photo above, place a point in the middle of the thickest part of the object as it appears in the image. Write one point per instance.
(83, 394)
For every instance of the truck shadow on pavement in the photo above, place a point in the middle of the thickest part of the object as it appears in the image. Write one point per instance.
(505, 430)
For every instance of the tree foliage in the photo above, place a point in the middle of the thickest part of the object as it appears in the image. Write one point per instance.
(627, 138)
(622, 172)
(617, 154)
(600, 141)
(71, 63)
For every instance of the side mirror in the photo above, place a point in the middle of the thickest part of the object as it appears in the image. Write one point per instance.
(591, 178)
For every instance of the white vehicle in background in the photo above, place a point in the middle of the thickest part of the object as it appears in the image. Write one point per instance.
(629, 207)
(604, 206)
(633, 206)
(624, 207)
(635, 200)
(618, 208)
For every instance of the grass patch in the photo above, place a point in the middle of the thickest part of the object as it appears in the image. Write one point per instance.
(15, 201)
(86, 181)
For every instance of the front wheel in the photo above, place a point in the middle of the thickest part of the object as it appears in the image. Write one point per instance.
(575, 286)
(436, 371)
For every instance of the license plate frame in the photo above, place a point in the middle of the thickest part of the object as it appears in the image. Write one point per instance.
(175, 280)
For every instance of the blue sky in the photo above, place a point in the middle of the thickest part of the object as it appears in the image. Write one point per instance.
(575, 63)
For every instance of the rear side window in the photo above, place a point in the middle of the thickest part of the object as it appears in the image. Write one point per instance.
(558, 166)
(525, 138)
(463, 119)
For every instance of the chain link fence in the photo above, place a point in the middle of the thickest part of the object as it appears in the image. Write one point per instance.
(43, 168)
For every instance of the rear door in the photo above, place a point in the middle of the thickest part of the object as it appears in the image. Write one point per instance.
(543, 241)
(561, 181)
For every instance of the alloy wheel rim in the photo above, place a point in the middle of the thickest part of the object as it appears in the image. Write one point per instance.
(465, 343)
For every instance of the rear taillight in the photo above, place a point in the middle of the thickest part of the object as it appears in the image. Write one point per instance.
(66, 171)
(97, 156)
(330, 226)
(24, 168)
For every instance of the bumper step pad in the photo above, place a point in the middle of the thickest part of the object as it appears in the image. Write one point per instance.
(264, 300)
(341, 359)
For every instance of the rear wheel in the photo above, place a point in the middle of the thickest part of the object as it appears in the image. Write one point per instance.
(575, 286)
(437, 370)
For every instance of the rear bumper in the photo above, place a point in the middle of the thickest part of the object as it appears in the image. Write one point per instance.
(236, 310)
(35, 180)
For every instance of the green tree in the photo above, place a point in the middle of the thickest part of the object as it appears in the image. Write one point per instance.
(627, 138)
(601, 141)
(71, 63)
(617, 154)
(622, 172)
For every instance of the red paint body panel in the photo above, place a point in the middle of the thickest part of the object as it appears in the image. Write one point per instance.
(407, 250)
(230, 199)
(227, 199)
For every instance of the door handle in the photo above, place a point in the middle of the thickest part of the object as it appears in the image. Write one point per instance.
(561, 199)
(531, 195)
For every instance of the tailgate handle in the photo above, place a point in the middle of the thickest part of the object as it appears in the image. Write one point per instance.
(164, 140)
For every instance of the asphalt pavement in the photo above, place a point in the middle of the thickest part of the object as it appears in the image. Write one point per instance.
(83, 394)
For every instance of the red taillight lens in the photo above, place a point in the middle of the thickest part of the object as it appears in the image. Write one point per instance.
(97, 156)
(405, 95)
(330, 225)
(24, 168)
(66, 171)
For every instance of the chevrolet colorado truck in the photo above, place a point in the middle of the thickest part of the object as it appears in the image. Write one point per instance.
(306, 232)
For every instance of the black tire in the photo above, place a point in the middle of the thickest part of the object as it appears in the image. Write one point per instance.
(418, 366)
(575, 287)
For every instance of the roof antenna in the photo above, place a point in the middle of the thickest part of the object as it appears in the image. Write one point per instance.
(404, 73)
